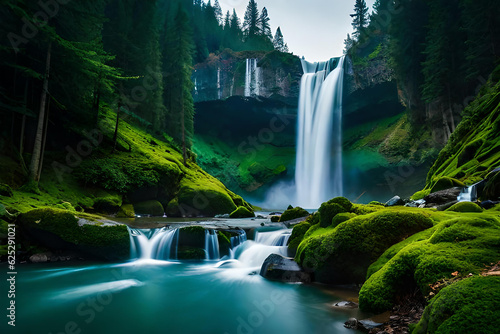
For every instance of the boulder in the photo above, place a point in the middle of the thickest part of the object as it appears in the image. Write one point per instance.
(396, 200)
(442, 197)
(293, 213)
(242, 212)
(151, 208)
(346, 305)
(279, 268)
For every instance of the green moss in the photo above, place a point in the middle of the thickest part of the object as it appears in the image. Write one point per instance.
(327, 211)
(468, 306)
(65, 206)
(342, 217)
(375, 203)
(109, 204)
(463, 244)
(275, 219)
(153, 208)
(126, 211)
(190, 253)
(294, 213)
(109, 242)
(5, 190)
(343, 254)
(343, 202)
(298, 233)
(420, 194)
(241, 212)
(465, 207)
(445, 182)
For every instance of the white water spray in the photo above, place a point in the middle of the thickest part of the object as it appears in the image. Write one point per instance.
(252, 78)
(318, 175)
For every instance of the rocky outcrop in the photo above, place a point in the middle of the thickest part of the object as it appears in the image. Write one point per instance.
(279, 268)
(224, 75)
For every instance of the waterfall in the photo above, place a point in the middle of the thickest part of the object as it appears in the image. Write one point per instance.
(252, 78)
(219, 91)
(211, 245)
(470, 194)
(276, 238)
(253, 253)
(154, 244)
(318, 175)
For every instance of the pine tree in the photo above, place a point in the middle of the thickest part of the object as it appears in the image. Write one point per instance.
(218, 12)
(360, 17)
(265, 28)
(251, 21)
(278, 42)
(348, 44)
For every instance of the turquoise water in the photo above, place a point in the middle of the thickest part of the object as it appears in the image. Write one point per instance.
(150, 296)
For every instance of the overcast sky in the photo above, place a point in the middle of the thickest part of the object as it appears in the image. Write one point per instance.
(315, 29)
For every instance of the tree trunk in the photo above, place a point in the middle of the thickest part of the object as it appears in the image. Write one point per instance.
(45, 130)
(115, 136)
(37, 149)
(183, 126)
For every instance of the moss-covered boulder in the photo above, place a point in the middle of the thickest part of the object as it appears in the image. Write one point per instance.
(190, 253)
(151, 208)
(5, 190)
(298, 233)
(241, 212)
(444, 182)
(343, 254)
(192, 236)
(126, 211)
(203, 199)
(465, 207)
(464, 245)
(293, 213)
(59, 229)
(468, 306)
(342, 217)
(108, 204)
(492, 188)
(275, 219)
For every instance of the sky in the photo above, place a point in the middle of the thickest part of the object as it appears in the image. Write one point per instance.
(315, 29)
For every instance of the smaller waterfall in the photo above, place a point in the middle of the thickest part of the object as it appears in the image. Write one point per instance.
(219, 90)
(154, 244)
(276, 238)
(236, 242)
(252, 78)
(470, 194)
(211, 245)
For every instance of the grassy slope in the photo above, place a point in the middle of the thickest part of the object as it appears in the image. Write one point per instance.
(147, 159)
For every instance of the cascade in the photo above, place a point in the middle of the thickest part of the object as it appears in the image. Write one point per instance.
(253, 253)
(219, 91)
(318, 174)
(211, 245)
(159, 244)
(276, 238)
(470, 194)
(252, 78)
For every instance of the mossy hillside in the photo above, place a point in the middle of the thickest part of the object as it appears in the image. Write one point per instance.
(464, 242)
(241, 212)
(473, 150)
(293, 213)
(108, 242)
(246, 169)
(468, 306)
(343, 254)
(298, 233)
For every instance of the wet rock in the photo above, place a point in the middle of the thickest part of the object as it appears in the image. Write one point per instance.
(39, 258)
(442, 197)
(352, 323)
(368, 324)
(279, 268)
(346, 304)
(396, 200)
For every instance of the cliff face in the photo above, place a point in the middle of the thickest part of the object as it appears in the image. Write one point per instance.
(272, 74)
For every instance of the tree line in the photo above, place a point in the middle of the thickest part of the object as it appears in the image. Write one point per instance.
(440, 50)
(63, 61)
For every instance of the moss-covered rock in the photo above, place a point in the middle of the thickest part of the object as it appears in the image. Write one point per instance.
(461, 245)
(61, 229)
(201, 200)
(327, 211)
(343, 254)
(293, 213)
(109, 204)
(420, 194)
(445, 182)
(465, 207)
(152, 208)
(241, 212)
(468, 306)
(298, 233)
(192, 236)
(190, 253)
(126, 211)
(342, 217)
(492, 188)
(275, 219)
(5, 190)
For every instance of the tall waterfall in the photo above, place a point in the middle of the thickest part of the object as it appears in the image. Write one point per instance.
(318, 175)
(252, 78)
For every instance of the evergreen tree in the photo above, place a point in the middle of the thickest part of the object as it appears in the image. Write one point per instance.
(360, 17)
(218, 12)
(348, 44)
(178, 87)
(265, 28)
(251, 21)
(278, 42)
